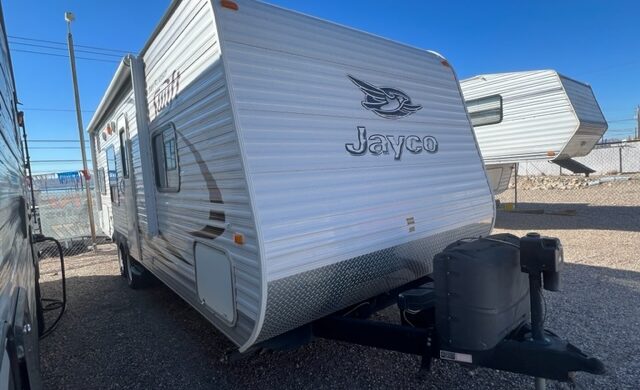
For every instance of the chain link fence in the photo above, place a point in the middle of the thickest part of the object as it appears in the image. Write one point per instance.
(61, 213)
(544, 187)
(540, 187)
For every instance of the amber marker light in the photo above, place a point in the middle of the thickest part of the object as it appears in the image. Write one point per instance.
(238, 238)
(229, 4)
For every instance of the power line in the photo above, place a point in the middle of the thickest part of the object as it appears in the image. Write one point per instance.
(64, 44)
(53, 109)
(64, 49)
(63, 55)
(57, 147)
(622, 129)
(56, 140)
(56, 161)
(621, 120)
(607, 68)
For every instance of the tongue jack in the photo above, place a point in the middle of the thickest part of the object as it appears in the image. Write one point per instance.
(541, 258)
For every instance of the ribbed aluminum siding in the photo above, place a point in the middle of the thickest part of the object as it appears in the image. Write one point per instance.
(188, 44)
(499, 176)
(16, 257)
(318, 206)
(592, 122)
(537, 115)
(583, 101)
(105, 213)
(113, 217)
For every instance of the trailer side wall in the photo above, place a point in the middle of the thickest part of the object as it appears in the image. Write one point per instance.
(209, 203)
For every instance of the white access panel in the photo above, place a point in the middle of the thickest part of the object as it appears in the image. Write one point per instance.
(214, 281)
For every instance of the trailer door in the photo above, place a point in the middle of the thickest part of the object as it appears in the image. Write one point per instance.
(129, 190)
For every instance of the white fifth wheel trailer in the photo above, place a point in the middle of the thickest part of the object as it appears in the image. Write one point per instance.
(274, 169)
(532, 115)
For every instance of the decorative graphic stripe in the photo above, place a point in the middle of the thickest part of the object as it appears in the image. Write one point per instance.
(215, 196)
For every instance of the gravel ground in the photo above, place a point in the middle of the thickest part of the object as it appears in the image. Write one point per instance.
(112, 337)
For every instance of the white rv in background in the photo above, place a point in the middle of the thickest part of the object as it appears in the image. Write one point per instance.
(533, 115)
(273, 168)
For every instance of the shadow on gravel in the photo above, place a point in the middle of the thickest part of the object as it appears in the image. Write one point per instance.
(113, 338)
(623, 218)
(597, 310)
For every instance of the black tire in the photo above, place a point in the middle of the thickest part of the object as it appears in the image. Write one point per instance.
(122, 264)
(137, 275)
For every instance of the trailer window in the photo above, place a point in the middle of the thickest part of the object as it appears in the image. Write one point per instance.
(124, 155)
(112, 172)
(485, 111)
(165, 151)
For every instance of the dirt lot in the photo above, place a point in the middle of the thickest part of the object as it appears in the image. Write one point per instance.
(113, 337)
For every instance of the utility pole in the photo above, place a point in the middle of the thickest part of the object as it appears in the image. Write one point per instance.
(638, 122)
(70, 17)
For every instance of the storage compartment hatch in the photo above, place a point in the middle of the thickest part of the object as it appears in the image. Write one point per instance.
(214, 281)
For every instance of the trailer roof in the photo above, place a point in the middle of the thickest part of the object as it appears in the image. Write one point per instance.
(490, 75)
(119, 78)
(174, 5)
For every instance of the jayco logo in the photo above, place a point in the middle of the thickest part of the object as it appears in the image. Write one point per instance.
(166, 92)
(388, 103)
(378, 144)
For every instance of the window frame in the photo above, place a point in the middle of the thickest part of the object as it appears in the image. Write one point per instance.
(124, 153)
(501, 117)
(160, 133)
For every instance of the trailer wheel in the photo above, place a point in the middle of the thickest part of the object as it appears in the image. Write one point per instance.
(137, 275)
(121, 261)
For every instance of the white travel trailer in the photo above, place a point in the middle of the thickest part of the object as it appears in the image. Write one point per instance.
(532, 115)
(273, 170)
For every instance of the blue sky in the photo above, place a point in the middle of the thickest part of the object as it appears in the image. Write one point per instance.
(591, 41)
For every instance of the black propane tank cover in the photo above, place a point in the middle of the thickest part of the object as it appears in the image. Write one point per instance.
(481, 293)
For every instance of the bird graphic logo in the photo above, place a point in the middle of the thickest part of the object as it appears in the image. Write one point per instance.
(389, 103)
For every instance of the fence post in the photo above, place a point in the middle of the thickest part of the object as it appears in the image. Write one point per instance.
(515, 188)
(620, 158)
